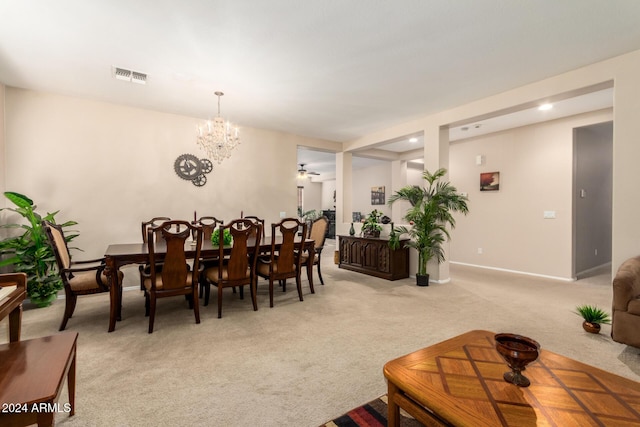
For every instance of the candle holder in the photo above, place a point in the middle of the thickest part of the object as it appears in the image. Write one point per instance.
(518, 352)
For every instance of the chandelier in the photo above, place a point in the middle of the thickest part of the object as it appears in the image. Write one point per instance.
(219, 137)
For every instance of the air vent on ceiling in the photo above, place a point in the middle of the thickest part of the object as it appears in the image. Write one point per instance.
(129, 76)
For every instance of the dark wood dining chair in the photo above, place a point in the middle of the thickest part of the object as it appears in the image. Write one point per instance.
(78, 277)
(239, 267)
(257, 220)
(208, 224)
(152, 223)
(176, 277)
(317, 234)
(285, 262)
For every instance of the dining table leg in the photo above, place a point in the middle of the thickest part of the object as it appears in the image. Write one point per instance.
(115, 290)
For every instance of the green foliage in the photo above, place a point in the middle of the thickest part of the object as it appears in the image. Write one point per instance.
(311, 215)
(592, 314)
(226, 238)
(30, 252)
(429, 216)
(371, 223)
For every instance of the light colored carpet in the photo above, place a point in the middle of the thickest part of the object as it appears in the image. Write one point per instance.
(304, 363)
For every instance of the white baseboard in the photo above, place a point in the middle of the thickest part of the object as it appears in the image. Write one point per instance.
(565, 279)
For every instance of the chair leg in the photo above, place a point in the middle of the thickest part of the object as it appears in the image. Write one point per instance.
(271, 292)
(207, 293)
(219, 300)
(70, 305)
(299, 285)
(320, 273)
(152, 314)
(241, 292)
(196, 303)
(254, 298)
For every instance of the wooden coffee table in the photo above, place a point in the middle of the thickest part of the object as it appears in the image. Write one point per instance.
(459, 382)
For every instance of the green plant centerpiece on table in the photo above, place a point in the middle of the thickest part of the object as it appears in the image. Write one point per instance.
(226, 237)
(429, 216)
(30, 252)
(371, 225)
(593, 317)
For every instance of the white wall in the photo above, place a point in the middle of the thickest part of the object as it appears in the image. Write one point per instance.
(109, 167)
(328, 195)
(536, 175)
(366, 178)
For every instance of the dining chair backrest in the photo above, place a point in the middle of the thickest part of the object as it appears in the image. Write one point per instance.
(246, 234)
(318, 231)
(153, 222)
(257, 220)
(289, 254)
(175, 269)
(208, 224)
(58, 244)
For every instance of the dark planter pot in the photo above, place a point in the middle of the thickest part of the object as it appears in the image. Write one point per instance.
(422, 279)
(593, 328)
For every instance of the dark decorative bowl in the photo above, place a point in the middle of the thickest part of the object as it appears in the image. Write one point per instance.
(518, 352)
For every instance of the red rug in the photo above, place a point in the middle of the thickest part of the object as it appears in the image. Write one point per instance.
(372, 414)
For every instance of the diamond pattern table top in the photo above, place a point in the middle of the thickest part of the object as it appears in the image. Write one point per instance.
(460, 381)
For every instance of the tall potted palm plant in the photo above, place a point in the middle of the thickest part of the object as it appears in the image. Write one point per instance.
(430, 215)
(29, 252)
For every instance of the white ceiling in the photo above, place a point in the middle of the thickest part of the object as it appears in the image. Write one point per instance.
(331, 69)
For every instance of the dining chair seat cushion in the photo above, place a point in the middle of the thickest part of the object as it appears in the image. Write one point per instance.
(263, 268)
(305, 258)
(159, 284)
(86, 280)
(212, 274)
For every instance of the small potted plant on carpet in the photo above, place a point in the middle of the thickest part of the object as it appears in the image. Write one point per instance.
(593, 317)
(429, 216)
(30, 252)
(371, 226)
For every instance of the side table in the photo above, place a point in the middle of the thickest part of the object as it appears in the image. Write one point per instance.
(32, 375)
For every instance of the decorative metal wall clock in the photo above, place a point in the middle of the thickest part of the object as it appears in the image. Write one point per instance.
(190, 168)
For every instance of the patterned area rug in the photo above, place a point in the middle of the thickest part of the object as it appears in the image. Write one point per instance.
(372, 414)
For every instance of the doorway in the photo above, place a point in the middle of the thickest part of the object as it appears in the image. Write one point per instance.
(592, 197)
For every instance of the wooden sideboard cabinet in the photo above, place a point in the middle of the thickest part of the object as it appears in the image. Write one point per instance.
(373, 256)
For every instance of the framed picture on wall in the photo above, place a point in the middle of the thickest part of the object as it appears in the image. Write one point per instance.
(490, 181)
(377, 195)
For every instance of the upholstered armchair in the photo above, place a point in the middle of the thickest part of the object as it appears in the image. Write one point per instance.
(625, 325)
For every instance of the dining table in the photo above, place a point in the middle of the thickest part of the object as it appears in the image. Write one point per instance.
(121, 254)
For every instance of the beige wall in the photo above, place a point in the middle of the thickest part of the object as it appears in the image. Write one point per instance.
(623, 71)
(109, 167)
(536, 175)
(2, 146)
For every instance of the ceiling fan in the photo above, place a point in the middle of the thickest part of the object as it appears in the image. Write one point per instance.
(303, 173)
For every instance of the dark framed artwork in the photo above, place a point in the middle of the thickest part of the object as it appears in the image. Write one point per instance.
(377, 195)
(490, 181)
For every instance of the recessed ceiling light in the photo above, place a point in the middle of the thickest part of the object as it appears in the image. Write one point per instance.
(545, 107)
(413, 139)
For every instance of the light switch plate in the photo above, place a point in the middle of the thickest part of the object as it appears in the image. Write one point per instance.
(549, 214)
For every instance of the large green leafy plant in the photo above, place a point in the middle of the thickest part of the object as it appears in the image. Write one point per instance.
(429, 216)
(30, 252)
